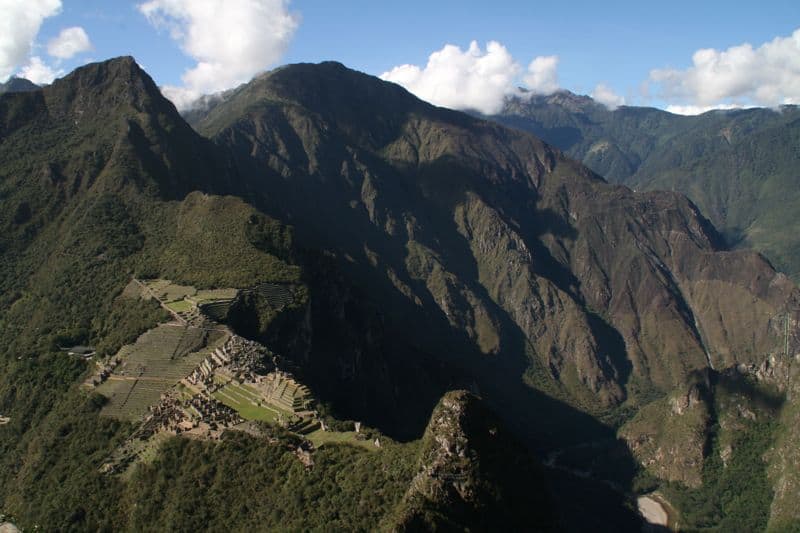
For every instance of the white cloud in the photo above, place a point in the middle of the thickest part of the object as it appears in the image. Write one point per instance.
(38, 72)
(19, 25)
(768, 75)
(699, 110)
(231, 40)
(542, 77)
(606, 96)
(471, 78)
(68, 43)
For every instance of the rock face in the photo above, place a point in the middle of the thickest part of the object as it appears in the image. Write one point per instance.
(488, 240)
(472, 475)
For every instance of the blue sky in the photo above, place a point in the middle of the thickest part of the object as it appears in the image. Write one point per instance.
(617, 44)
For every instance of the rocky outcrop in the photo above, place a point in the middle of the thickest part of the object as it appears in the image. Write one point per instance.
(472, 475)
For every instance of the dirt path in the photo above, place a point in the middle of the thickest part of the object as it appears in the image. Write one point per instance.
(116, 377)
(652, 511)
(8, 527)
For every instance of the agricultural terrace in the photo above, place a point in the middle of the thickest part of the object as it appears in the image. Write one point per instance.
(206, 296)
(181, 306)
(154, 364)
(248, 404)
(184, 300)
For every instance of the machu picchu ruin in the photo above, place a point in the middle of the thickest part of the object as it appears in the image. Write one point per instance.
(194, 377)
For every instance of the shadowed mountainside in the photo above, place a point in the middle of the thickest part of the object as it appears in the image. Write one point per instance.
(500, 242)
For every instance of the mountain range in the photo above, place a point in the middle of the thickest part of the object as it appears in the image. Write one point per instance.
(740, 167)
(431, 252)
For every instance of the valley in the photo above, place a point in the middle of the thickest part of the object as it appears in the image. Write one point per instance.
(365, 312)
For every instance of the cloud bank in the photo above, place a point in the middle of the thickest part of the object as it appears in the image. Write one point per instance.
(542, 76)
(606, 96)
(39, 72)
(741, 75)
(231, 40)
(473, 78)
(69, 43)
(19, 25)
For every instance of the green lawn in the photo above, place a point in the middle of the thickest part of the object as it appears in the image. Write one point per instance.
(246, 410)
(206, 296)
(180, 306)
(250, 393)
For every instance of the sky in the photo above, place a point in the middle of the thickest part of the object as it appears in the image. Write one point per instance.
(682, 56)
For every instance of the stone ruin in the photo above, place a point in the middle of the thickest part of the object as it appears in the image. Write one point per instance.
(241, 359)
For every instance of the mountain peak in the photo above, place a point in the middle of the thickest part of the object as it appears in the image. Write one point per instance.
(572, 102)
(106, 84)
(332, 83)
(18, 85)
(354, 102)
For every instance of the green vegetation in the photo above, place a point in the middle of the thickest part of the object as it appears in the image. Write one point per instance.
(708, 445)
(243, 484)
(320, 438)
(181, 306)
(92, 200)
(246, 404)
(211, 248)
(734, 497)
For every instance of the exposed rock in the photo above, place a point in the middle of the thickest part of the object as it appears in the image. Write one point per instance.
(472, 475)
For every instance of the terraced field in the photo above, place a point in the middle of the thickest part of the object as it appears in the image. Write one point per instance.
(216, 310)
(185, 300)
(170, 292)
(181, 306)
(277, 295)
(154, 364)
(244, 400)
(205, 296)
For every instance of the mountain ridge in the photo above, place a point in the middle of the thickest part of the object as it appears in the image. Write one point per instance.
(738, 166)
